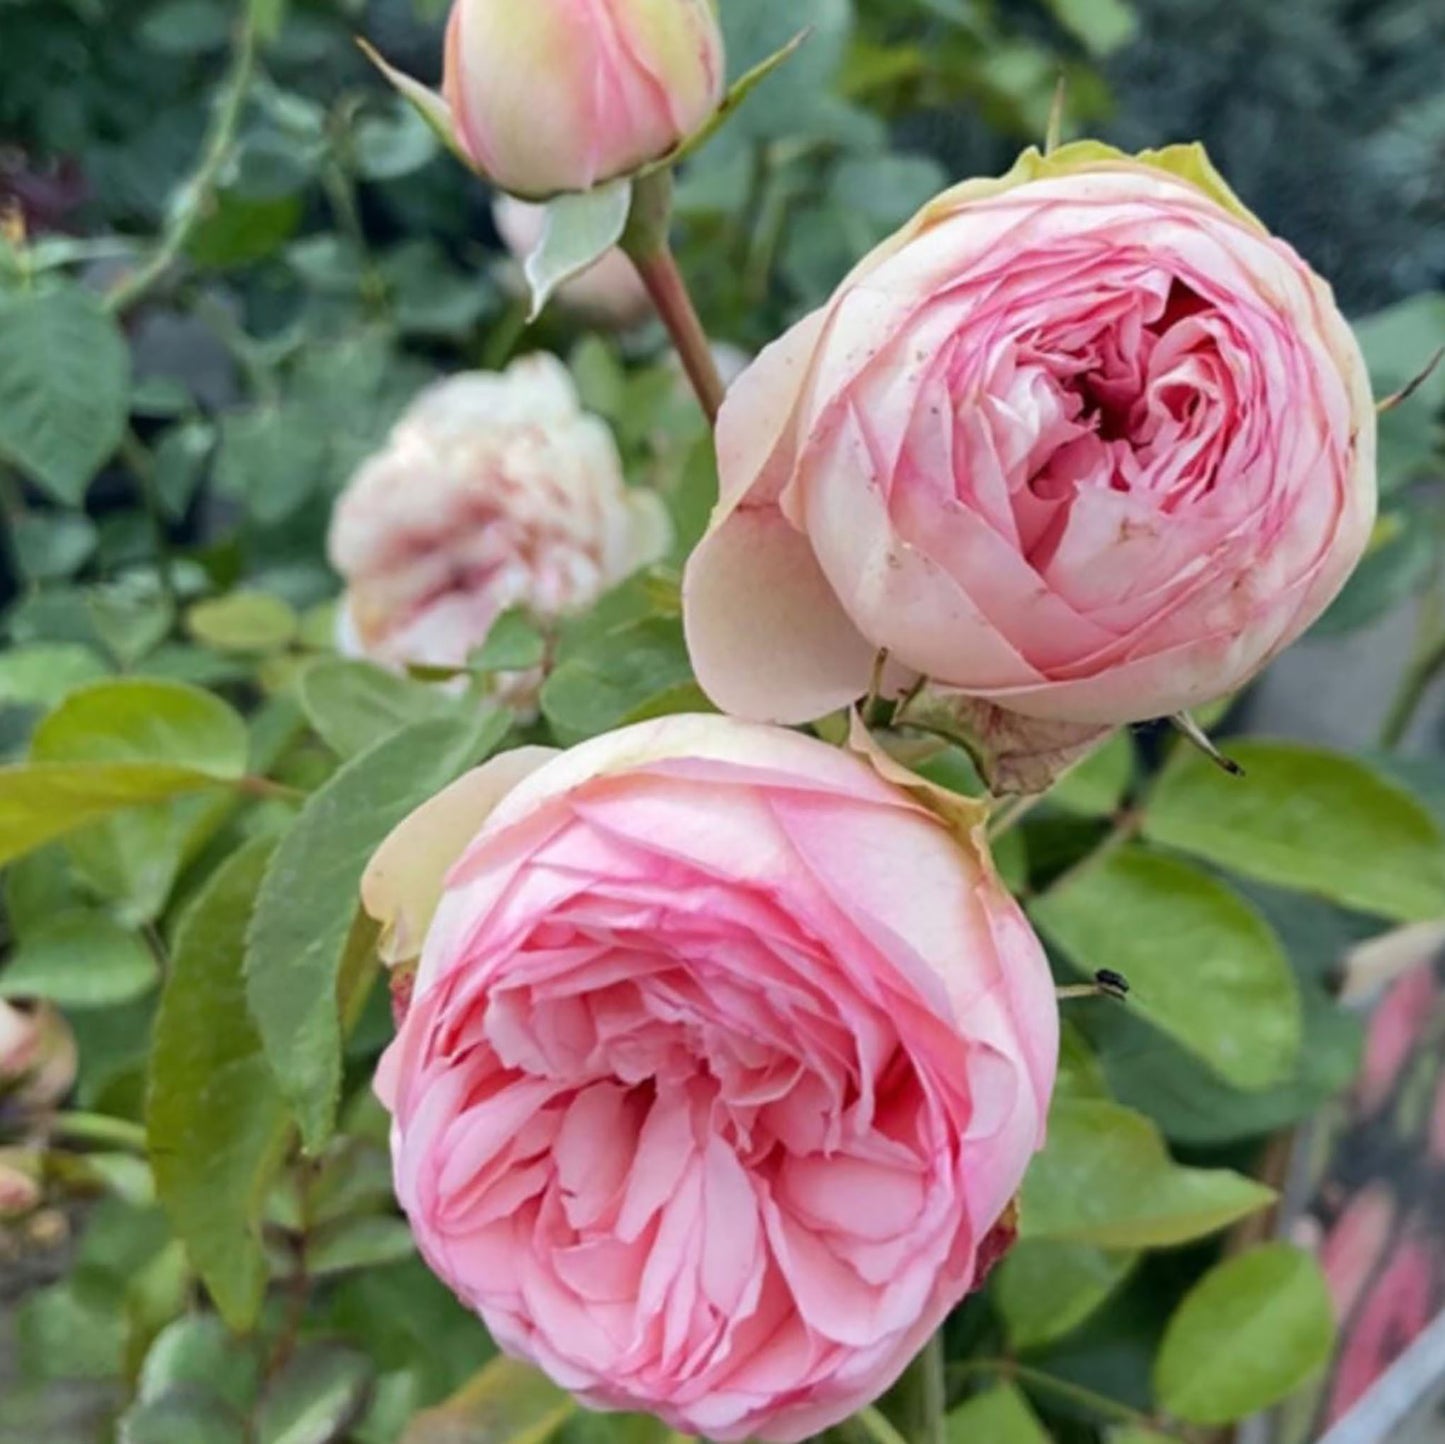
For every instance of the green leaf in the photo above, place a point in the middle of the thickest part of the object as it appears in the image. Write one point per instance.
(1248, 1334)
(1105, 1178)
(998, 1415)
(136, 857)
(1045, 1289)
(141, 720)
(191, 1418)
(393, 143)
(507, 1402)
(81, 959)
(1309, 819)
(1080, 1073)
(1398, 343)
(578, 231)
(215, 1123)
(198, 1351)
(353, 1243)
(63, 1332)
(1096, 787)
(49, 546)
(304, 915)
(271, 460)
(1201, 963)
(1103, 26)
(64, 387)
(316, 1398)
(42, 801)
(354, 705)
(620, 678)
(244, 621)
(41, 675)
(513, 644)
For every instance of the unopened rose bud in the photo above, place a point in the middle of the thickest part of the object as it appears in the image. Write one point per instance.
(20, 1191)
(550, 96)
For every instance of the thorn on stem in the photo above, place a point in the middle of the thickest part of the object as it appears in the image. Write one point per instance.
(1401, 396)
(1199, 738)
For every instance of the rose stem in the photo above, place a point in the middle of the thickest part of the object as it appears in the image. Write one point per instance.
(645, 241)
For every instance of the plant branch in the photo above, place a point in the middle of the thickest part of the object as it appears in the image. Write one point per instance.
(1426, 664)
(645, 242)
(196, 193)
(920, 1399)
(98, 1128)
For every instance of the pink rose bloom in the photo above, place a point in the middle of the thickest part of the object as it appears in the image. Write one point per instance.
(1396, 1027)
(608, 291)
(552, 95)
(1085, 442)
(724, 1061)
(1354, 1246)
(493, 491)
(1392, 1316)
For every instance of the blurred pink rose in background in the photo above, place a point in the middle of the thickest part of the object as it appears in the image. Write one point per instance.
(493, 491)
(610, 291)
(725, 1059)
(37, 1056)
(1396, 1025)
(1085, 442)
(549, 95)
(1400, 1303)
(1355, 1244)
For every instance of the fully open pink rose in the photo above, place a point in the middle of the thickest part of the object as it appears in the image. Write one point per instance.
(558, 95)
(724, 1061)
(1084, 441)
(493, 491)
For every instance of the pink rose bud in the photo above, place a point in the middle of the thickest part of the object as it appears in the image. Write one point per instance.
(37, 1056)
(1085, 442)
(20, 1190)
(724, 1061)
(493, 491)
(550, 96)
(609, 291)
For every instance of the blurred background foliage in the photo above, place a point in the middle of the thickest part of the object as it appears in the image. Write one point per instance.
(229, 258)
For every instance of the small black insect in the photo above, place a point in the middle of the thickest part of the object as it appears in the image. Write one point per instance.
(1112, 984)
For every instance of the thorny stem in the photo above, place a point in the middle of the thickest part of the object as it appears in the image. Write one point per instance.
(196, 194)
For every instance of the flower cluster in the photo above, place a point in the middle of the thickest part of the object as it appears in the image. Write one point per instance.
(722, 1051)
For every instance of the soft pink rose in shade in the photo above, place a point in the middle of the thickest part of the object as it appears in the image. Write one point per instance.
(1393, 1315)
(1085, 442)
(1355, 1244)
(608, 291)
(494, 490)
(1399, 1020)
(559, 95)
(725, 1058)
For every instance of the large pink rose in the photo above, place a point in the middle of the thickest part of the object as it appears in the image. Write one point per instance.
(724, 1060)
(1085, 442)
(494, 490)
